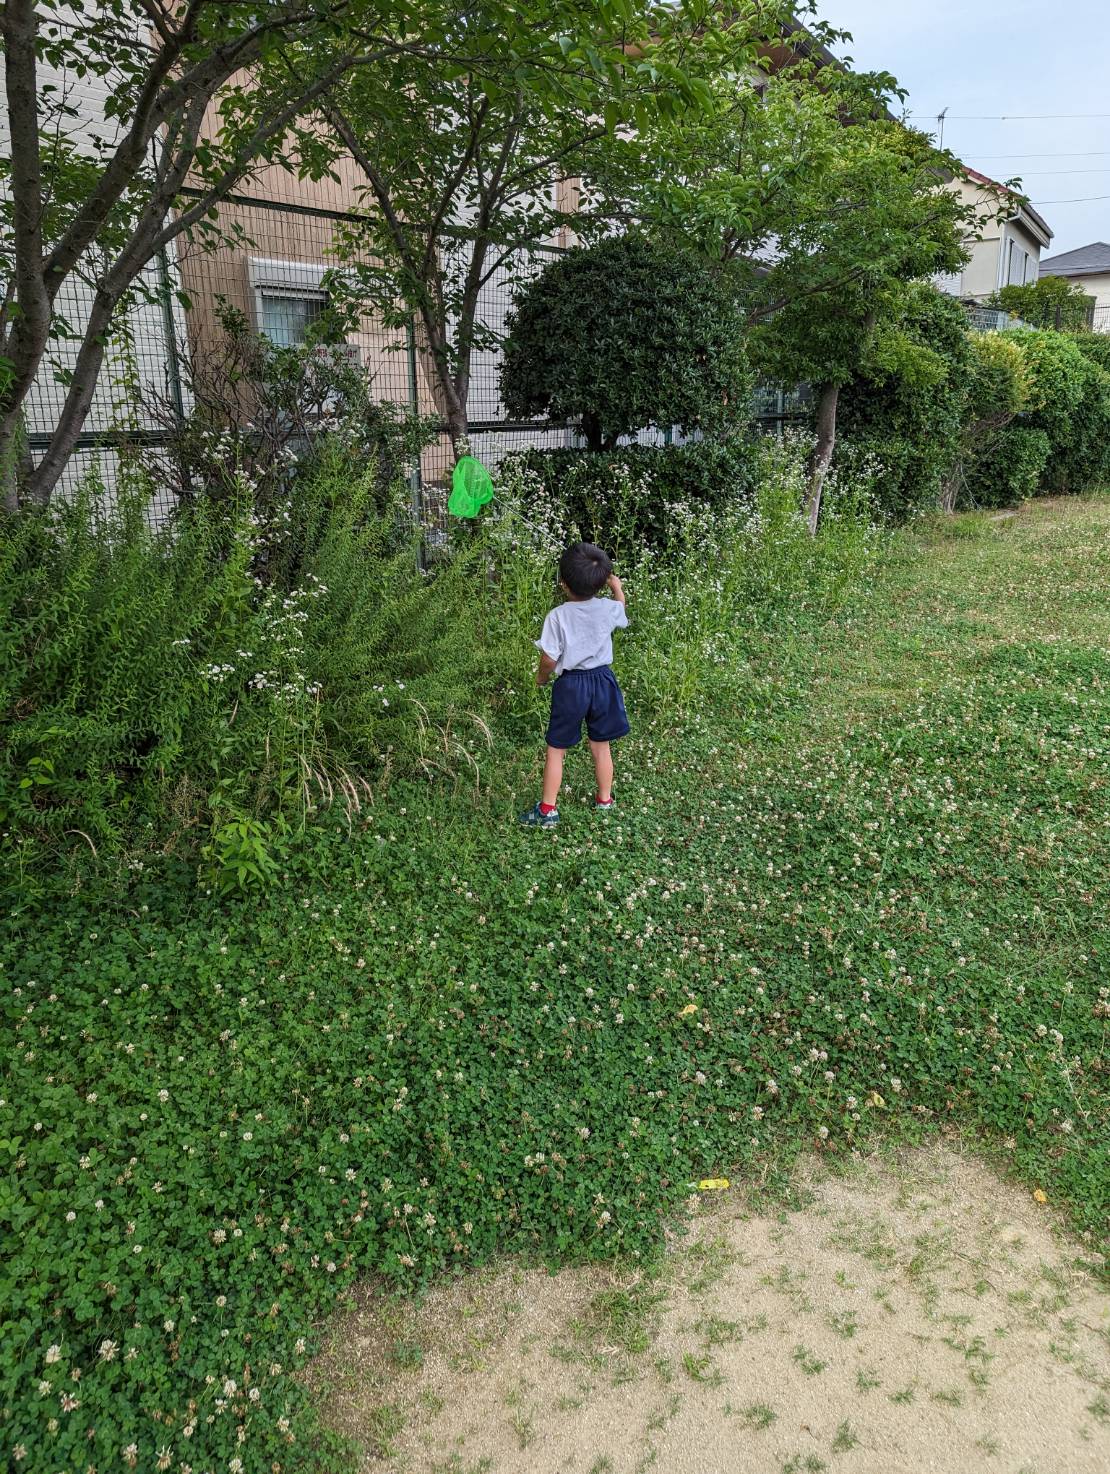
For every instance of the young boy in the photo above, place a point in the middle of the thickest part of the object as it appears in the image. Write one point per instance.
(576, 645)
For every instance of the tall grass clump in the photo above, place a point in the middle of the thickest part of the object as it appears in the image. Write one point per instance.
(205, 688)
(709, 581)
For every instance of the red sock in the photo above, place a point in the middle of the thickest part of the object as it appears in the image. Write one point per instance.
(605, 801)
(548, 808)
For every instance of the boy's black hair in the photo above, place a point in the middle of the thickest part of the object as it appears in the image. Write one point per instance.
(585, 569)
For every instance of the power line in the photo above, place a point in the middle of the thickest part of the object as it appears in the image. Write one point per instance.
(1006, 117)
(1092, 153)
(1086, 199)
(1056, 172)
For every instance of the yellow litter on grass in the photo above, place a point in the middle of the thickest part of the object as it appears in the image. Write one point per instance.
(712, 1184)
(690, 1008)
(1040, 1197)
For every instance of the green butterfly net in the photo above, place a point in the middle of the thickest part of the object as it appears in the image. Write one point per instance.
(471, 488)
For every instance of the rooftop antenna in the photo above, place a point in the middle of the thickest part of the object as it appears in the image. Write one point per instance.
(940, 123)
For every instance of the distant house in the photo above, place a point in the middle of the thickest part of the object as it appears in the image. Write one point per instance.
(1007, 249)
(1089, 266)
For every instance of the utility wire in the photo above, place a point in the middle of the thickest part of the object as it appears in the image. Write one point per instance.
(1086, 199)
(1093, 153)
(1005, 117)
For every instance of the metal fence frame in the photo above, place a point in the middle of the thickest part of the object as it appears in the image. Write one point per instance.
(149, 351)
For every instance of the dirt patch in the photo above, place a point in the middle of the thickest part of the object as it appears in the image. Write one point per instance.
(917, 1314)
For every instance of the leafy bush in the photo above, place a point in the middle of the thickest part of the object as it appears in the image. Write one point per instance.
(1055, 368)
(1083, 459)
(219, 680)
(1070, 402)
(1094, 346)
(1006, 468)
(1050, 302)
(261, 414)
(999, 388)
(907, 407)
(999, 385)
(209, 689)
(638, 493)
(626, 335)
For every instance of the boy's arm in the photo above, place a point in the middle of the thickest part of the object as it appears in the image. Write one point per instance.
(547, 666)
(616, 588)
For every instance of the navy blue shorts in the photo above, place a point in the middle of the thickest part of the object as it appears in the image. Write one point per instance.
(590, 696)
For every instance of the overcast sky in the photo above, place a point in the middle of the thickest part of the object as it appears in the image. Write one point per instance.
(986, 57)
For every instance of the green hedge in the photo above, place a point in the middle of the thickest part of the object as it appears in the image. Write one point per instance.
(1008, 468)
(1070, 404)
(908, 407)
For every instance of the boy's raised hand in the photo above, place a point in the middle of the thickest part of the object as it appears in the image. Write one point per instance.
(616, 587)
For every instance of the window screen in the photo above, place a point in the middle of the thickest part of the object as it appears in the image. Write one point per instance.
(285, 316)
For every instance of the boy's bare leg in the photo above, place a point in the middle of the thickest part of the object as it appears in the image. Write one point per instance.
(603, 768)
(553, 775)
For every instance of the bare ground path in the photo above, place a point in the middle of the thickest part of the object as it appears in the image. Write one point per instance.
(914, 1312)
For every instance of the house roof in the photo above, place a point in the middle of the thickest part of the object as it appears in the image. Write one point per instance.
(1038, 221)
(1084, 261)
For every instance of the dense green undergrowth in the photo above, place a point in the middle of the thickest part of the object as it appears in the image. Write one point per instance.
(861, 885)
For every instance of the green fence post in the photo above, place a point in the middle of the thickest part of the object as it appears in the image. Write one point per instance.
(416, 490)
(169, 327)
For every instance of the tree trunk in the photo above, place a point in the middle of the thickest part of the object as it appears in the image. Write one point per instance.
(71, 420)
(457, 426)
(951, 489)
(26, 343)
(12, 466)
(817, 467)
(591, 431)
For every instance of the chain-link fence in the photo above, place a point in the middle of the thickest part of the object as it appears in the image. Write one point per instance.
(272, 265)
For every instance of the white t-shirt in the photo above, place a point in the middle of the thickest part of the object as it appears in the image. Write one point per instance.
(578, 635)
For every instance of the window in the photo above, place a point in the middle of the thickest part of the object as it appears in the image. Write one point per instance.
(1017, 265)
(288, 297)
(285, 317)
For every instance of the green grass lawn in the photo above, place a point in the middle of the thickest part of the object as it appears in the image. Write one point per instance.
(869, 892)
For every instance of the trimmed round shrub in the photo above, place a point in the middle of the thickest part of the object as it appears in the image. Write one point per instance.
(625, 335)
(637, 493)
(999, 384)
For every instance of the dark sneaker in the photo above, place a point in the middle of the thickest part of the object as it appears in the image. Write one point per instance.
(535, 818)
